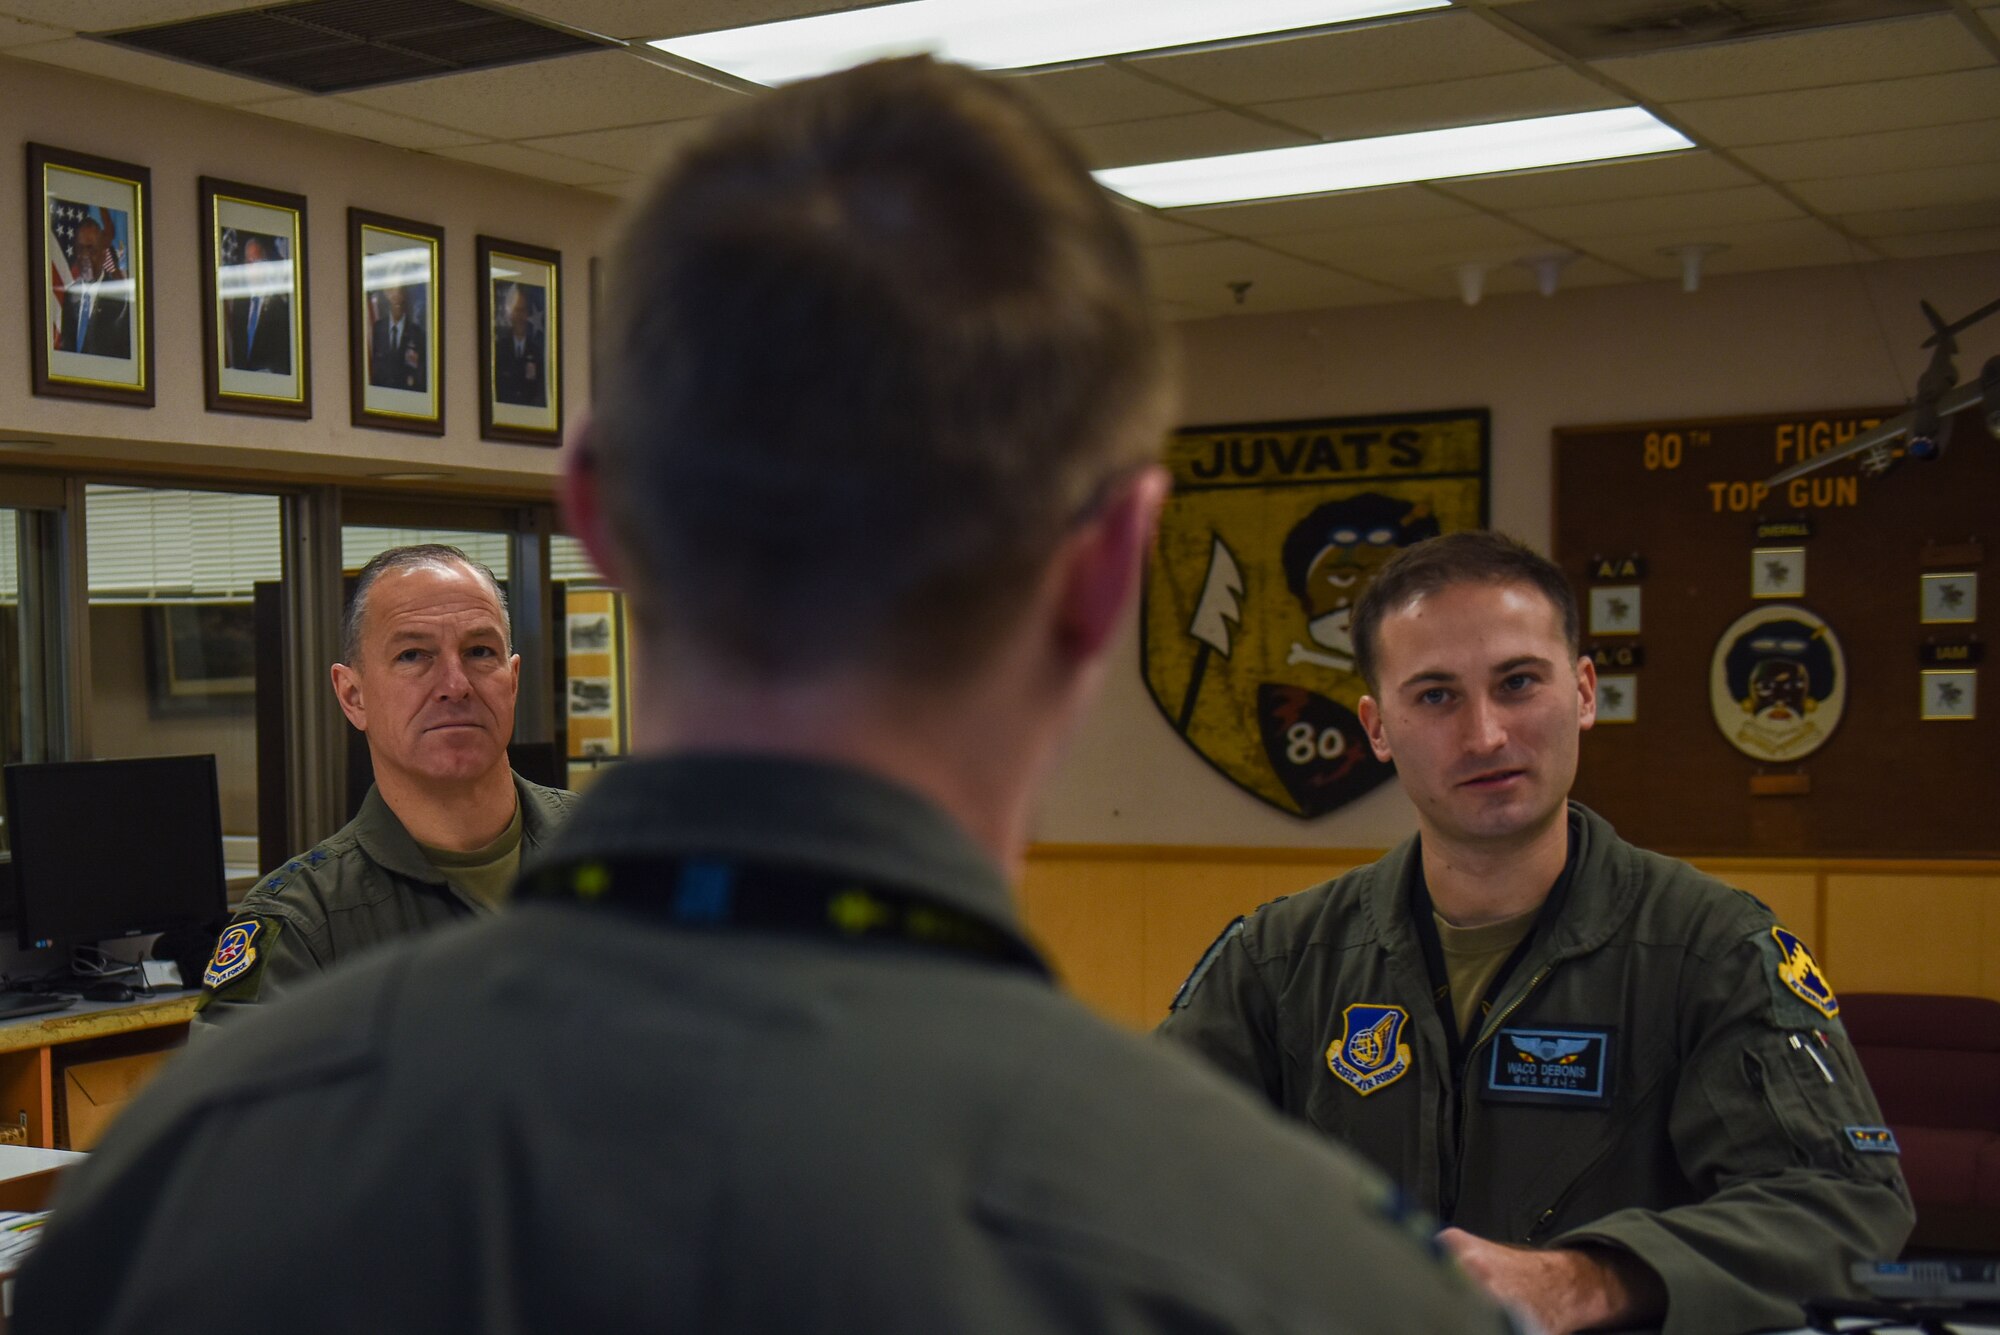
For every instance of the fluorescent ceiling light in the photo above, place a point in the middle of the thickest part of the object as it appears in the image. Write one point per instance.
(1428, 155)
(1006, 34)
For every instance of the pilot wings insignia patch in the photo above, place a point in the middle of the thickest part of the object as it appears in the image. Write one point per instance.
(1559, 1050)
(1271, 536)
(1370, 1051)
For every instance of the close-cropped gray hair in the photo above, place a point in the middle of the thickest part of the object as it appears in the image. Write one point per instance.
(399, 558)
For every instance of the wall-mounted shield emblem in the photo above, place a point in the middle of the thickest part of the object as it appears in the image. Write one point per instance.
(1271, 535)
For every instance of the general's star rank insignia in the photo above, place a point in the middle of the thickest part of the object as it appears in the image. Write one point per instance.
(1370, 1051)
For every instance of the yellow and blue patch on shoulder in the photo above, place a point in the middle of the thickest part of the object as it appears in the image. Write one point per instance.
(236, 969)
(1801, 974)
(1370, 1051)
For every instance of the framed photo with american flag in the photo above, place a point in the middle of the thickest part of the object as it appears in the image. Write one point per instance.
(395, 316)
(255, 354)
(90, 276)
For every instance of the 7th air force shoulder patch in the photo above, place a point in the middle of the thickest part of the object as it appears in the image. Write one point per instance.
(1370, 1051)
(238, 963)
(1800, 973)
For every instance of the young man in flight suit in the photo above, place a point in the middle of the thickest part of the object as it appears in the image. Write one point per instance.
(1622, 1085)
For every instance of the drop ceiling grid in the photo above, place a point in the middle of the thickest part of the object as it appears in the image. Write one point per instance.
(1865, 141)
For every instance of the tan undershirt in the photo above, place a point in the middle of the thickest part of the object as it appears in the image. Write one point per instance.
(486, 874)
(1473, 956)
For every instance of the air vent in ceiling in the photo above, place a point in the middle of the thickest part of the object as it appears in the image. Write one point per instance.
(1595, 29)
(331, 46)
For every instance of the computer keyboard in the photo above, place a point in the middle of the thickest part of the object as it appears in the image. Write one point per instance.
(14, 1004)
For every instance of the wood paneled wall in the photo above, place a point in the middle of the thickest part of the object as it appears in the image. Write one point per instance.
(1123, 924)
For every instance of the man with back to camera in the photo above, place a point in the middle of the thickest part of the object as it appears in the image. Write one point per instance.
(1621, 1083)
(762, 1046)
(426, 675)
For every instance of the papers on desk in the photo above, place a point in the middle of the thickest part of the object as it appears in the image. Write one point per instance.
(19, 1232)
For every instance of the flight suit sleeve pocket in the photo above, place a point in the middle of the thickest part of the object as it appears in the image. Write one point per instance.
(1810, 1098)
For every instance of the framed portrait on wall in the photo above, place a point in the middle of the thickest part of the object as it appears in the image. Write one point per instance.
(255, 356)
(90, 277)
(395, 302)
(520, 324)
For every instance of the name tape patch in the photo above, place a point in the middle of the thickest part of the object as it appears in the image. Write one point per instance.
(1567, 1065)
(1872, 1139)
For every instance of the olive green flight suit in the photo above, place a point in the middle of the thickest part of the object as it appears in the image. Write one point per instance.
(366, 884)
(1647, 1078)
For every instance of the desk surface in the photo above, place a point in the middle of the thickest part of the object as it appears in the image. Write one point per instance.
(96, 1019)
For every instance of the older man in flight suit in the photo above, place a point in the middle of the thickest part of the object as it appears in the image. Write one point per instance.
(426, 674)
(1623, 1085)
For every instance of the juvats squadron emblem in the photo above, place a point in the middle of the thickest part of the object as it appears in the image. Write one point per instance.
(1777, 682)
(1271, 536)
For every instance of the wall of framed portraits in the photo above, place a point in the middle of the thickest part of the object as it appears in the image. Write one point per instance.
(208, 288)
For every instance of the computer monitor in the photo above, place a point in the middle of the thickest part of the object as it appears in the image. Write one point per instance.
(112, 848)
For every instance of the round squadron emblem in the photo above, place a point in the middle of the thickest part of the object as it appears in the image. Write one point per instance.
(1777, 683)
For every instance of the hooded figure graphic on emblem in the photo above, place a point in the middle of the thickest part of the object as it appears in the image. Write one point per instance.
(1332, 554)
(1779, 673)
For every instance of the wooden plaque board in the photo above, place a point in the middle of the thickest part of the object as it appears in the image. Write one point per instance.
(1686, 499)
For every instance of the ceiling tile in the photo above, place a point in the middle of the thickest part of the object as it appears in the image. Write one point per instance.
(1102, 94)
(13, 32)
(114, 15)
(1933, 218)
(1154, 229)
(1167, 138)
(1594, 182)
(634, 148)
(128, 66)
(1920, 244)
(1200, 276)
(332, 113)
(1550, 91)
(568, 94)
(1973, 144)
(1324, 213)
(1633, 217)
(1868, 108)
(1416, 245)
(642, 19)
(1931, 44)
(1788, 243)
(1903, 189)
(528, 162)
(1420, 50)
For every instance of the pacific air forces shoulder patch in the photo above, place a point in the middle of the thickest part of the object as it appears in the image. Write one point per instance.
(1801, 974)
(238, 962)
(1370, 1051)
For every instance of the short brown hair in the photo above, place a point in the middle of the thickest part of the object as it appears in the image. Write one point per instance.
(1476, 556)
(354, 621)
(875, 343)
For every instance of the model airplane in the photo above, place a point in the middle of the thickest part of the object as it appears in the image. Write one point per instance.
(1926, 425)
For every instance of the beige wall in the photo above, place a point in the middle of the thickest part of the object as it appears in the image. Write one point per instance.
(1753, 343)
(180, 141)
(127, 725)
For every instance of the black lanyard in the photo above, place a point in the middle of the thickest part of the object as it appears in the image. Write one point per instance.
(1421, 911)
(724, 894)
